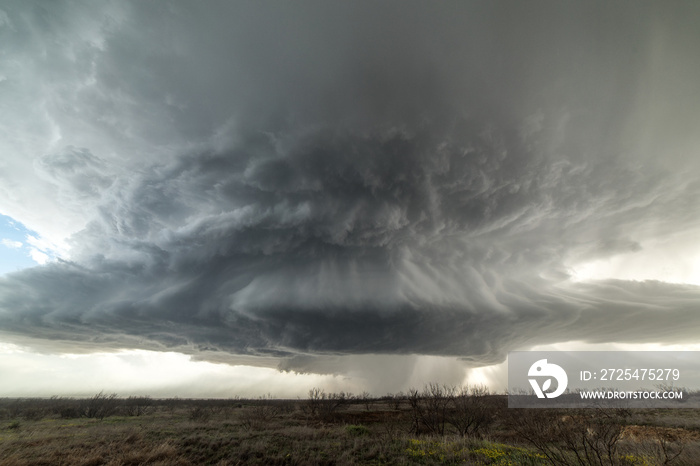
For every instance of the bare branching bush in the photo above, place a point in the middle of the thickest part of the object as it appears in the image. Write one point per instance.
(366, 399)
(416, 402)
(668, 447)
(321, 405)
(170, 404)
(204, 410)
(100, 406)
(199, 413)
(665, 445)
(235, 402)
(473, 411)
(65, 408)
(15, 409)
(538, 428)
(580, 437)
(430, 408)
(396, 400)
(263, 411)
(684, 393)
(437, 409)
(137, 406)
(30, 409)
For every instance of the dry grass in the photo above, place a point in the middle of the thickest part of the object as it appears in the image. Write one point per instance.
(266, 431)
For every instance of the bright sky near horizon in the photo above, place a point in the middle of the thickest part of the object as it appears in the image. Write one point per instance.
(265, 197)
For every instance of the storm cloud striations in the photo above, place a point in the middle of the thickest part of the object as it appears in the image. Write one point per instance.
(295, 180)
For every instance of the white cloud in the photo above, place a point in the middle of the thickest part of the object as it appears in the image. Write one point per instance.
(673, 258)
(11, 243)
(38, 256)
(47, 245)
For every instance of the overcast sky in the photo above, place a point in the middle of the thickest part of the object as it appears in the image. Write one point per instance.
(347, 194)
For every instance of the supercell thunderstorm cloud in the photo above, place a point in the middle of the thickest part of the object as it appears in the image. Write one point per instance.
(297, 181)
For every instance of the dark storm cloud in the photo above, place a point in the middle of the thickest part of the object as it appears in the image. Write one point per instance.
(404, 178)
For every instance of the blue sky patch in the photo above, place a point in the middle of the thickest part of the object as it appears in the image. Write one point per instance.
(14, 249)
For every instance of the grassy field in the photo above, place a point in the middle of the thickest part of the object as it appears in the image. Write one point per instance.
(435, 426)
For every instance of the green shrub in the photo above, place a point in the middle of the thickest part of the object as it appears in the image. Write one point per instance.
(357, 431)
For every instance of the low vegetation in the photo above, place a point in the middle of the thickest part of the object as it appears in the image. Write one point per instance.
(435, 425)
